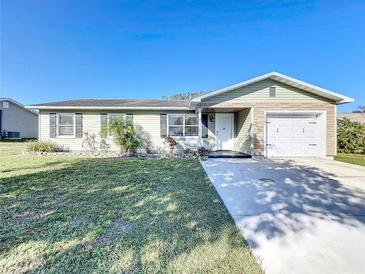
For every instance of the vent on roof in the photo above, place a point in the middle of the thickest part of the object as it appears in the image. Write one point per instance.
(272, 92)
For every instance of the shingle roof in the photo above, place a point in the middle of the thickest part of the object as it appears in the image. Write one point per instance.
(117, 103)
(354, 117)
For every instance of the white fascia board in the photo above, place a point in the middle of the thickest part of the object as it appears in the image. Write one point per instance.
(312, 88)
(340, 99)
(18, 104)
(107, 108)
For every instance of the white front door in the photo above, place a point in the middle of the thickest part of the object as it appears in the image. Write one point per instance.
(224, 131)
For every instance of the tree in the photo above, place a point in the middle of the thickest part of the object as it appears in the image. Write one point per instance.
(360, 109)
(184, 95)
(124, 134)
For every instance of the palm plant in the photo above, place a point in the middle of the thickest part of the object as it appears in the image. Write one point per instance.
(123, 133)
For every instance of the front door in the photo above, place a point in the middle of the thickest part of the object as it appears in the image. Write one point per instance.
(224, 131)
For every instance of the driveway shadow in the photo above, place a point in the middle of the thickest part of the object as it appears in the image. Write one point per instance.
(284, 197)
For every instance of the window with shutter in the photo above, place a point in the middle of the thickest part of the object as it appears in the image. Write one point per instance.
(65, 124)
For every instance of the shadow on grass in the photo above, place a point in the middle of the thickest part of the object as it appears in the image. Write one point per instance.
(119, 216)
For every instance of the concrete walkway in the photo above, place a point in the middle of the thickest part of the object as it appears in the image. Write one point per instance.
(299, 216)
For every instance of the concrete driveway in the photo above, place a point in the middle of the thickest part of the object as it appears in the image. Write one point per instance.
(299, 216)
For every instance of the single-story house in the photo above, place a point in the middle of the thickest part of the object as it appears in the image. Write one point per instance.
(352, 116)
(270, 115)
(16, 121)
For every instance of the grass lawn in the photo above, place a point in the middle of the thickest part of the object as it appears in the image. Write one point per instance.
(112, 215)
(356, 159)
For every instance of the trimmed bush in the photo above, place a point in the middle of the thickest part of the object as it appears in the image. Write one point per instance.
(40, 146)
(350, 137)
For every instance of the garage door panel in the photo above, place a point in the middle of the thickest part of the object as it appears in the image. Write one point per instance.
(292, 135)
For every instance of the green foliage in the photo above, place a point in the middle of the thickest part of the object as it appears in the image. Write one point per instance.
(360, 109)
(356, 159)
(94, 215)
(40, 146)
(203, 152)
(350, 136)
(124, 134)
(184, 96)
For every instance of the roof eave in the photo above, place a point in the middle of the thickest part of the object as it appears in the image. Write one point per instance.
(336, 97)
(105, 108)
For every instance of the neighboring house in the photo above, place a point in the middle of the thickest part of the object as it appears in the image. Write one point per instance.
(354, 117)
(270, 115)
(16, 121)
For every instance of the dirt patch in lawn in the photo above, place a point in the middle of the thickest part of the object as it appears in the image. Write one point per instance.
(119, 228)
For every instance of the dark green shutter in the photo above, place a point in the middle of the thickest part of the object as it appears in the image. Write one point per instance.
(52, 125)
(129, 118)
(163, 125)
(103, 120)
(204, 125)
(78, 125)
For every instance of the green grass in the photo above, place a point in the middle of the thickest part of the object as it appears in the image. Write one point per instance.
(112, 215)
(357, 159)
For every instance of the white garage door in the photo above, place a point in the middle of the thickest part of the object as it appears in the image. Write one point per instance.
(296, 134)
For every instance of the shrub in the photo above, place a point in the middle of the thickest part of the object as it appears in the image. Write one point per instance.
(124, 134)
(40, 146)
(350, 136)
(203, 152)
(171, 143)
(90, 141)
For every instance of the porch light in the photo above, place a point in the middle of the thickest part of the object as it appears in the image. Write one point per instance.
(212, 119)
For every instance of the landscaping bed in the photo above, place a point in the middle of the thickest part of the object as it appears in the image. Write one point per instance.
(83, 215)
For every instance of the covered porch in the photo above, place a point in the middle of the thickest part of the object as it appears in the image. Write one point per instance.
(227, 131)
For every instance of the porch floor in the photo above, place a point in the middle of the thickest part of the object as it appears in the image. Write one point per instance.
(228, 154)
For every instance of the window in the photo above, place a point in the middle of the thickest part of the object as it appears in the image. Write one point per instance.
(272, 92)
(183, 125)
(191, 125)
(176, 125)
(65, 124)
(5, 104)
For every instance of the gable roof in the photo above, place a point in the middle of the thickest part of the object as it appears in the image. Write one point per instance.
(336, 97)
(18, 104)
(114, 104)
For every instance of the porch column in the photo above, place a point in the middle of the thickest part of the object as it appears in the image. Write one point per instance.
(200, 128)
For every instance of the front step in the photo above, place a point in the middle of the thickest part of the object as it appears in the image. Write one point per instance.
(228, 154)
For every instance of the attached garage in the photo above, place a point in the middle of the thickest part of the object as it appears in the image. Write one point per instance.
(295, 134)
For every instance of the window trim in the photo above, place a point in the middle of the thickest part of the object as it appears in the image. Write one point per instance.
(183, 125)
(57, 125)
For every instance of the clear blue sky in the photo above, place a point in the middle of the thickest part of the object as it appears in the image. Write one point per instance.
(56, 50)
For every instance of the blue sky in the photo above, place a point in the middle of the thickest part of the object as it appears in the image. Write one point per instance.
(56, 50)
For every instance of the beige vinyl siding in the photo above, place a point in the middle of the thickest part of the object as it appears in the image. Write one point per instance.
(259, 92)
(243, 131)
(146, 122)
